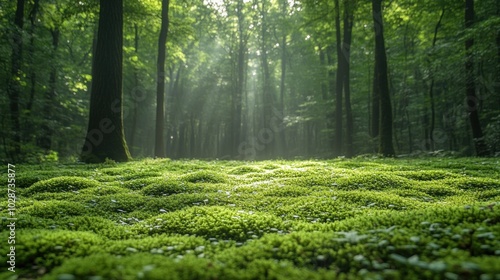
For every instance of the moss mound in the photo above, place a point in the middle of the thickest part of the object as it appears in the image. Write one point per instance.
(204, 177)
(212, 222)
(62, 184)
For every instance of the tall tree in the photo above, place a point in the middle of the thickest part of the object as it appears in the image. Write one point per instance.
(267, 89)
(337, 147)
(105, 137)
(284, 14)
(14, 89)
(431, 87)
(45, 139)
(381, 83)
(470, 87)
(346, 51)
(160, 87)
(237, 95)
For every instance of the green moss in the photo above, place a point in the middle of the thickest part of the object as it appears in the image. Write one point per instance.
(49, 248)
(106, 190)
(169, 187)
(53, 209)
(216, 222)
(62, 184)
(244, 170)
(204, 177)
(363, 218)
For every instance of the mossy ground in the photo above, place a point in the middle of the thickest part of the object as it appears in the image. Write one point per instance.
(362, 218)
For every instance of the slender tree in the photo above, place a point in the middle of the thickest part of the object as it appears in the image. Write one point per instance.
(237, 96)
(14, 90)
(45, 139)
(284, 62)
(267, 89)
(105, 137)
(346, 51)
(381, 83)
(337, 147)
(431, 88)
(470, 87)
(160, 87)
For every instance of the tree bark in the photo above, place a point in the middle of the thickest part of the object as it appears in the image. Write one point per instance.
(105, 137)
(346, 50)
(31, 53)
(431, 88)
(283, 147)
(381, 83)
(237, 96)
(470, 87)
(267, 92)
(337, 147)
(135, 112)
(14, 86)
(45, 139)
(160, 87)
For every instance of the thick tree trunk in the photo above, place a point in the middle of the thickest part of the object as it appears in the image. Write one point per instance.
(14, 87)
(381, 83)
(105, 136)
(470, 87)
(160, 87)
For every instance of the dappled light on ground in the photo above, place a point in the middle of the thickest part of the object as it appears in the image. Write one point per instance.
(347, 219)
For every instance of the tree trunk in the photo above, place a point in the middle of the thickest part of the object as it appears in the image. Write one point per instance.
(14, 87)
(470, 87)
(45, 139)
(31, 51)
(237, 97)
(160, 87)
(497, 84)
(381, 83)
(267, 92)
(346, 50)
(135, 97)
(283, 147)
(431, 88)
(105, 137)
(337, 147)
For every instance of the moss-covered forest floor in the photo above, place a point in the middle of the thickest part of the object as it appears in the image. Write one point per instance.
(436, 218)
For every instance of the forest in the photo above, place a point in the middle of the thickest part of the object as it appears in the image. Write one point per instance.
(245, 139)
(248, 79)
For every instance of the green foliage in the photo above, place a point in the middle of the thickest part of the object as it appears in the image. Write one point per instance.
(365, 218)
(493, 135)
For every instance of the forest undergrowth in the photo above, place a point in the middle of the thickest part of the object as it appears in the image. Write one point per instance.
(363, 218)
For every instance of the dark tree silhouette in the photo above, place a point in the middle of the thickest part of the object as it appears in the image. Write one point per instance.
(470, 87)
(381, 83)
(14, 90)
(105, 136)
(160, 87)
